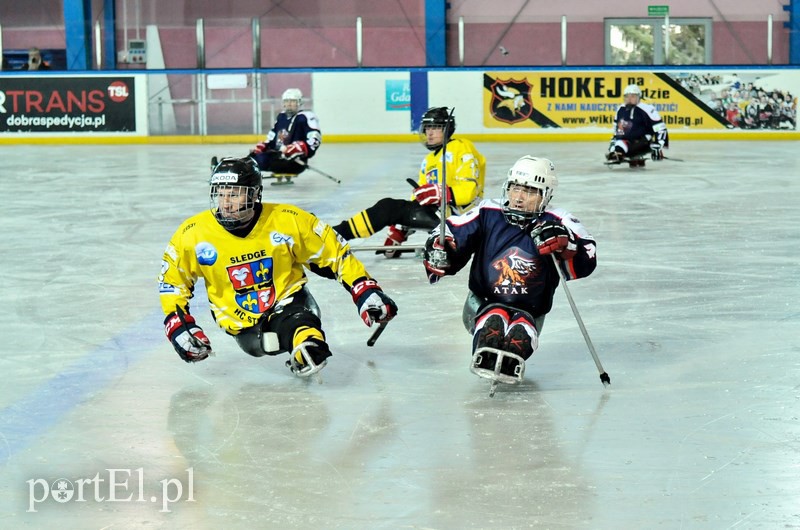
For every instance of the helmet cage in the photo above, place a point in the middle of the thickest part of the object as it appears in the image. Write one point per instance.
(246, 196)
(532, 174)
(292, 95)
(436, 117)
(235, 182)
(520, 217)
(632, 90)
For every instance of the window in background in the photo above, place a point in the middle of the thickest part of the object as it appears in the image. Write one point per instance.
(643, 41)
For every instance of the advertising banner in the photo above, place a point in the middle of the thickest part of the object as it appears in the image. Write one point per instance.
(398, 94)
(46, 104)
(688, 100)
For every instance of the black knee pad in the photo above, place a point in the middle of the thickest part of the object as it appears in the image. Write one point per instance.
(301, 311)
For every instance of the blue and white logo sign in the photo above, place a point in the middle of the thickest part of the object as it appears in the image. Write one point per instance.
(398, 94)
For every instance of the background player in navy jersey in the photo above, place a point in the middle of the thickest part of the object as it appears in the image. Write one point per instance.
(293, 139)
(513, 277)
(638, 130)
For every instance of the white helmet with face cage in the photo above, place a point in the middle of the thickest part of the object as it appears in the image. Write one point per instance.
(290, 95)
(533, 173)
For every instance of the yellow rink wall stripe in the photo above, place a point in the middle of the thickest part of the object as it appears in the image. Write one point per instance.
(251, 139)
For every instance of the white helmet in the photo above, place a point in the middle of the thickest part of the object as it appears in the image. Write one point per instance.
(632, 89)
(531, 172)
(292, 94)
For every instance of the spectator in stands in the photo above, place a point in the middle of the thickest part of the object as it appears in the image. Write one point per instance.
(35, 61)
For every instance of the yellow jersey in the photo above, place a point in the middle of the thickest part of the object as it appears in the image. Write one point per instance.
(246, 276)
(466, 172)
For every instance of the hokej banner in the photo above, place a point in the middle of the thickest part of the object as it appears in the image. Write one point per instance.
(690, 100)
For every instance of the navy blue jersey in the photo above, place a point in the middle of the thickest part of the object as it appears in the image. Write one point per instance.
(303, 126)
(506, 266)
(641, 121)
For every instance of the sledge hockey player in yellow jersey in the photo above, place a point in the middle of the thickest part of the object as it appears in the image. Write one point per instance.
(251, 256)
(466, 170)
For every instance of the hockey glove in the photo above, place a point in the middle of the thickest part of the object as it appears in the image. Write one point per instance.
(188, 339)
(261, 147)
(431, 194)
(298, 149)
(373, 305)
(438, 259)
(552, 236)
(656, 151)
(396, 236)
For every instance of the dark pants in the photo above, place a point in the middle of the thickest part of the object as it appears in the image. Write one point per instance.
(387, 212)
(273, 161)
(298, 310)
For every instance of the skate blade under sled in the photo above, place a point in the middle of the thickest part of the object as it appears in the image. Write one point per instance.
(496, 358)
(632, 161)
(281, 179)
(310, 367)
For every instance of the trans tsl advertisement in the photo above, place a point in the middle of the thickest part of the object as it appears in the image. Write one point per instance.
(67, 104)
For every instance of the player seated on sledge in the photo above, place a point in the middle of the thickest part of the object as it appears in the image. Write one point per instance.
(638, 130)
(293, 139)
(465, 166)
(251, 256)
(512, 277)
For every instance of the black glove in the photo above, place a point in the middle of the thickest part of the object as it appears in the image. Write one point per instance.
(656, 151)
(188, 339)
(373, 305)
(438, 259)
(552, 236)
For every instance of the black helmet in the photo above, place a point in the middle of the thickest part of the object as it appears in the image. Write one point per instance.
(235, 190)
(437, 117)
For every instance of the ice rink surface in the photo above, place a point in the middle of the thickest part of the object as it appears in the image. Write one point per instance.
(694, 311)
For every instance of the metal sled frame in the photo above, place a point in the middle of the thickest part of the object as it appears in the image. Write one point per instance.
(310, 367)
(627, 160)
(495, 375)
(400, 249)
(281, 179)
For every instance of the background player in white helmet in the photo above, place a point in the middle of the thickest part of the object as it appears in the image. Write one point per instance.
(466, 170)
(512, 277)
(638, 130)
(251, 256)
(293, 139)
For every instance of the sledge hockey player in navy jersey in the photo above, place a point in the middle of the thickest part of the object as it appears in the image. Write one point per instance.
(512, 277)
(251, 256)
(294, 138)
(638, 130)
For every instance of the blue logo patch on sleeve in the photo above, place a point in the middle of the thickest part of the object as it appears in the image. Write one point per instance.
(206, 253)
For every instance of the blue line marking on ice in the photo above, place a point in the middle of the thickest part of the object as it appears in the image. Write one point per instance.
(22, 421)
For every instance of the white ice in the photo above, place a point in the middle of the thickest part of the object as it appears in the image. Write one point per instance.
(693, 311)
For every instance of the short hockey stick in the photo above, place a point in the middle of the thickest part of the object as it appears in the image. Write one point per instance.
(377, 333)
(337, 181)
(304, 163)
(606, 380)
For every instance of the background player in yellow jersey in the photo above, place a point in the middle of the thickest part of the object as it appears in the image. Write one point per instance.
(251, 256)
(466, 170)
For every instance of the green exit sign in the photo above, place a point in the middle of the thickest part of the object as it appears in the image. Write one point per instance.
(657, 11)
